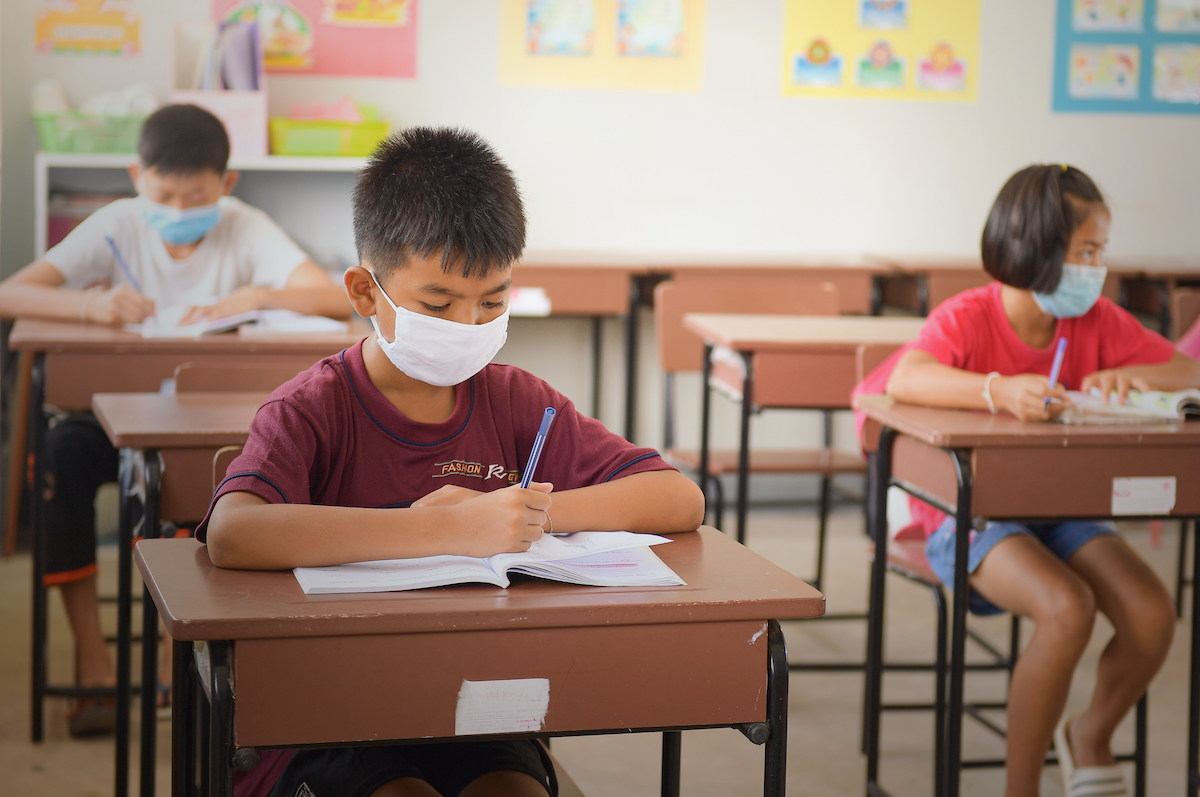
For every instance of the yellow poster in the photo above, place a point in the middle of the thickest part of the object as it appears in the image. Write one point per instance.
(87, 26)
(631, 45)
(881, 49)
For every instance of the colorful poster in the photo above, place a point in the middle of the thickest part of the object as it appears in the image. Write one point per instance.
(91, 27)
(366, 38)
(1123, 15)
(883, 13)
(1108, 71)
(882, 49)
(652, 28)
(624, 45)
(1127, 56)
(1178, 16)
(560, 27)
(880, 68)
(819, 66)
(1177, 73)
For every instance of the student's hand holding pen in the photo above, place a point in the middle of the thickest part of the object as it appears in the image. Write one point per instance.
(1024, 395)
(1114, 379)
(502, 521)
(120, 305)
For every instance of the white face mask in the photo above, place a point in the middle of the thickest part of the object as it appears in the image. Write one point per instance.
(437, 351)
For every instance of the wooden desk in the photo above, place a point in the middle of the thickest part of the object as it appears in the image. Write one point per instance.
(799, 362)
(167, 445)
(595, 290)
(389, 666)
(920, 283)
(977, 466)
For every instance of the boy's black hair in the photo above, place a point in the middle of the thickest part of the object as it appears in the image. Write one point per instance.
(438, 191)
(183, 139)
(1031, 223)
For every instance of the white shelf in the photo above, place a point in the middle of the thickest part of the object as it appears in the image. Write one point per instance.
(270, 163)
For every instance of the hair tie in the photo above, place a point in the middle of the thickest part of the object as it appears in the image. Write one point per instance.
(1064, 167)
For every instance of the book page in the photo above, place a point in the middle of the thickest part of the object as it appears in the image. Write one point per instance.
(628, 567)
(568, 546)
(1091, 407)
(165, 324)
(392, 575)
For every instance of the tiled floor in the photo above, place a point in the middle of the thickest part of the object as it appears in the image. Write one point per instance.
(823, 756)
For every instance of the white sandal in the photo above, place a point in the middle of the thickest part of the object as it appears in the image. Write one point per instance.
(1108, 781)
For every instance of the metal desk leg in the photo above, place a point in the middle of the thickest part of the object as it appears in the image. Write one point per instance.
(879, 477)
(631, 358)
(672, 755)
(36, 434)
(743, 501)
(152, 468)
(958, 626)
(220, 729)
(705, 410)
(124, 620)
(597, 362)
(775, 754)
(183, 721)
(1193, 750)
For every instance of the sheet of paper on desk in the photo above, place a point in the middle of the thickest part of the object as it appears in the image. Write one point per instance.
(270, 322)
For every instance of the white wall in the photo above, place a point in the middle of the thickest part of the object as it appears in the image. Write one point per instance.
(736, 169)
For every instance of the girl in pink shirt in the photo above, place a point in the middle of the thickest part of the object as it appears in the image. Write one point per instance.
(992, 349)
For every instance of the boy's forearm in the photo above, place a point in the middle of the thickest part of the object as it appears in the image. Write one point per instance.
(655, 502)
(22, 300)
(310, 300)
(255, 535)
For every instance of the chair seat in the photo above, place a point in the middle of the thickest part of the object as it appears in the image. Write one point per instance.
(819, 461)
(906, 555)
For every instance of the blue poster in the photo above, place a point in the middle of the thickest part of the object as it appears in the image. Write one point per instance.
(1127, 56)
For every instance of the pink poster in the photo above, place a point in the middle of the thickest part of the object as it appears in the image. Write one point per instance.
(363, 38)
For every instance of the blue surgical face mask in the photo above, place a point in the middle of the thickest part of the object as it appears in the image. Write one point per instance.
(180, 227)
(1076, 293)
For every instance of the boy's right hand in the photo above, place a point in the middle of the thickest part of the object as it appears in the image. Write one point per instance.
(502, 521)
(1024, 395)
(119, 305)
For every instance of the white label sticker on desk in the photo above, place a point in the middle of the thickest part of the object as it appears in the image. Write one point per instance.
(1154, 495)
(508, 706)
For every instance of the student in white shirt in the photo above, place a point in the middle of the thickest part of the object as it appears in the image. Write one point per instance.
(186, 242)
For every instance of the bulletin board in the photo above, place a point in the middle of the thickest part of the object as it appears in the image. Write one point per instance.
(630, 45)
(882, 49)
(1127, 56)
(363, 38)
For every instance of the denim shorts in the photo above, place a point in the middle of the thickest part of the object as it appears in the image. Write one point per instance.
(1063, 540)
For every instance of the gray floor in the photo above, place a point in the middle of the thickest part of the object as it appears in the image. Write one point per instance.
(823, 757)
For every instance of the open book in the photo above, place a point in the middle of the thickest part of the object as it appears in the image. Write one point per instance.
(1139, 407)
(165, 323)
(593, 558)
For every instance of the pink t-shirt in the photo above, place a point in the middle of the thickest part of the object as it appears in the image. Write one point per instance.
(330, 437)
(971, 331)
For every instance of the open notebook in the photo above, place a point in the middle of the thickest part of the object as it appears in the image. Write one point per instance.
(165, 323)
(1139, 407)
(592, 558)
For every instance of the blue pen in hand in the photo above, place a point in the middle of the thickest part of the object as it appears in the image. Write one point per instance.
(121, 262)
(1057, 366)
(539, 443)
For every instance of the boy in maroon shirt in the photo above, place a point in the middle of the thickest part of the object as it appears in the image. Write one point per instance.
(399, 446)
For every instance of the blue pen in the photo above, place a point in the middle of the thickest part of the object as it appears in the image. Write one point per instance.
(539, 443)
(1054, 369)
(121, 262)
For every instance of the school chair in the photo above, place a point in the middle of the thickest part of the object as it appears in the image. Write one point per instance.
(906, 558)
(245, 378)
(755, 292)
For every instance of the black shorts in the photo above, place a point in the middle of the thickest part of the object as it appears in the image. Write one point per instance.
(447, 767)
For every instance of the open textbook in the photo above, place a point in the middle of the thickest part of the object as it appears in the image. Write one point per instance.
(593, 558)
(165, 323)
(1139, 407)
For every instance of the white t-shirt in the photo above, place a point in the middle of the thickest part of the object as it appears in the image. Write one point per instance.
(244, 248)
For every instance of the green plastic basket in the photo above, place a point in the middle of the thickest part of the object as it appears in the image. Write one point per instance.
(76, 132)
(318, 137)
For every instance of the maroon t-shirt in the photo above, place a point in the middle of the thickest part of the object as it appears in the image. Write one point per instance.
(330, 437)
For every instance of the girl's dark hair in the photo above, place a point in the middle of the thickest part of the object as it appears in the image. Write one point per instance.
(438, 191)
(183, 139)
(1031, 223)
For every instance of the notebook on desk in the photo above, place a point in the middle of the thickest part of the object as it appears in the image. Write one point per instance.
(165, 324)
(1139, 407)
(589, 558)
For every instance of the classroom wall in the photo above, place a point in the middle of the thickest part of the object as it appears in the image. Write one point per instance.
(734, 170)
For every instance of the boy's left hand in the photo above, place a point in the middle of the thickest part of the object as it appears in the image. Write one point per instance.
(1112, 379)
(244, 300)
